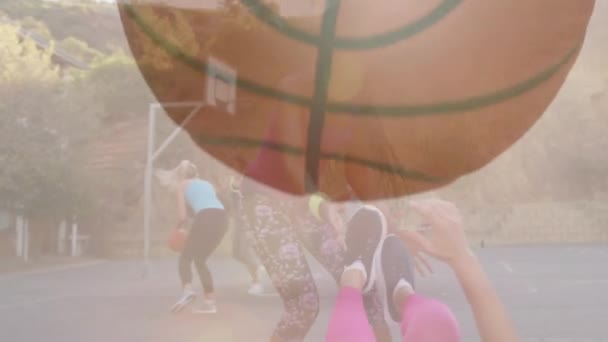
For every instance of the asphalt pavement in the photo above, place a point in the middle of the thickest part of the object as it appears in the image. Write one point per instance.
(554, 294)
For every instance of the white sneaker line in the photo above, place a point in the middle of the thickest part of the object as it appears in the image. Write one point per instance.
(186, 298)
(207, 307)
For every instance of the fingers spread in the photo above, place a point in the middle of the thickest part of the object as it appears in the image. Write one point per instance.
(422, 265)
(418, 239)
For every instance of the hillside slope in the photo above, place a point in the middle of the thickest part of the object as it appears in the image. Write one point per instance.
(96, 24)
(563, 157)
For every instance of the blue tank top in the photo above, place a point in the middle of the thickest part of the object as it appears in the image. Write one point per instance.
(201, 195)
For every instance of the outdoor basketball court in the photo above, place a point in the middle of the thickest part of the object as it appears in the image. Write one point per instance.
(554, 294)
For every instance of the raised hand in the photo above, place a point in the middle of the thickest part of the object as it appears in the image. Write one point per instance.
(443, 235)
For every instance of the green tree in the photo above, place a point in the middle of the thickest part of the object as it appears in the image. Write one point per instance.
(37, 27)
(23, 62)
(39, 133)
(117, 96)
(94, 23)
(80, 49)
(116, 87)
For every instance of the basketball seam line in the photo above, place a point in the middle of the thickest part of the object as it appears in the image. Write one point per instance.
(265, 15)
(318, 105)
(297, 151)
(323, 70)
(353, 109)
(238, 141)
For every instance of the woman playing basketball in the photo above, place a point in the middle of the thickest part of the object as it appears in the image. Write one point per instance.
(208, 228)
(282, 226)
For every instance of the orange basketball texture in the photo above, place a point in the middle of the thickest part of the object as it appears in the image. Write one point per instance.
(177, 240)
(398, 97)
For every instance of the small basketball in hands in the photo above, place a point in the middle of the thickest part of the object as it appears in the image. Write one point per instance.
(177, 240)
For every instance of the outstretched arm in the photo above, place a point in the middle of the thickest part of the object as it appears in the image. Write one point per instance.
(491, 317)
(447, 242)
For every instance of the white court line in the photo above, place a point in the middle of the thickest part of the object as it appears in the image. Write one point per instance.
(568, 285)
(507, 266)
(23, 303)
(266, 294)
(319, 275)
(52, 269)
(34, 302)
(531, 288)
(589, 282)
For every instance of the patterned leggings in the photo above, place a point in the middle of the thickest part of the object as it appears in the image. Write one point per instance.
(278, 240)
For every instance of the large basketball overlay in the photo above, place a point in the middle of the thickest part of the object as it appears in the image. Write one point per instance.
(386, 97)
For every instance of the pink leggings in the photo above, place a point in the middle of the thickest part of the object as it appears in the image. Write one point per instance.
(423, 320)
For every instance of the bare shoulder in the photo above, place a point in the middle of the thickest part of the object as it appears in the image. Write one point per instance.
(184, 184)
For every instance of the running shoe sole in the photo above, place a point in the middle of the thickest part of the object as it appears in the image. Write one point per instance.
(210, 310)
(395, 264)
(377, 252)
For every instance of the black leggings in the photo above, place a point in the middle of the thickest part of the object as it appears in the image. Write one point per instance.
(207, 231)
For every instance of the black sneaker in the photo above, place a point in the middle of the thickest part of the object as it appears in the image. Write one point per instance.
(396, 265)
(364, 235)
